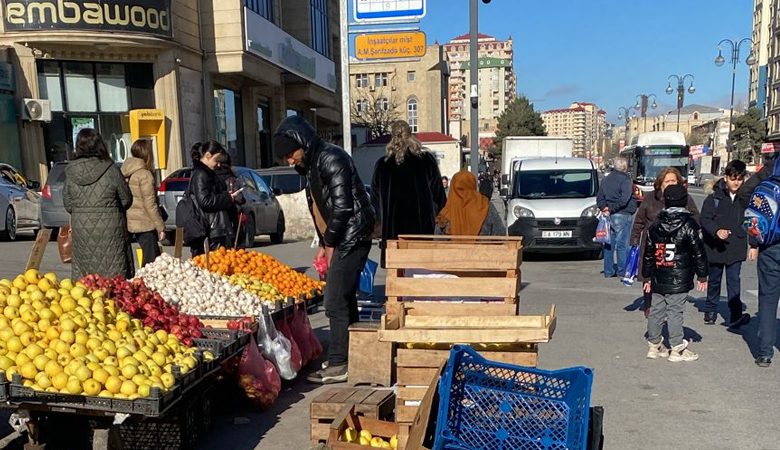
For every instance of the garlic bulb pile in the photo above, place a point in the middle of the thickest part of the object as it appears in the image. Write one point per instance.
(196, 291)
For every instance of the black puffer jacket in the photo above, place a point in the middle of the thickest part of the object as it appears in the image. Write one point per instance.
(212, 198)
(674, 253)
(334, 186)
(720, 212)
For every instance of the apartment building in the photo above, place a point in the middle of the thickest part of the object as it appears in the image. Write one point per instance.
(497, 82)
(757, 92)
(584, 122)
(412, 90)
(228, 70)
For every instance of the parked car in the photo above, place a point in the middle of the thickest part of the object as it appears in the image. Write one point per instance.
(265, 215)
(53, 214)
(284, 180)
(20, 204)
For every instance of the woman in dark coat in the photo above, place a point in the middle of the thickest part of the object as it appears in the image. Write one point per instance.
(468, 212)
(648, 211)
(406, 191)
(211, 195)
(97, 198)
(227, 176)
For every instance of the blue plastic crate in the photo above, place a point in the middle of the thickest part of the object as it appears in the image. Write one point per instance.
(489, 405)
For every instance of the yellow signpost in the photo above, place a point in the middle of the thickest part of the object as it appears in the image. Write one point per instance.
(390, 45)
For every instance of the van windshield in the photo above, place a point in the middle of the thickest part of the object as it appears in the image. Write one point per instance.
(556, 184)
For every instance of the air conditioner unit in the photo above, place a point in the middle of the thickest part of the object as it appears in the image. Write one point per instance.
(371, 88)
(35, 109)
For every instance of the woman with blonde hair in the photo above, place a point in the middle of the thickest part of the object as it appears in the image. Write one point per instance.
(143, 217)
(653, 204)
(406, 190)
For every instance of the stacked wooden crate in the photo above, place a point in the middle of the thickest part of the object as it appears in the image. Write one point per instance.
(427, 314)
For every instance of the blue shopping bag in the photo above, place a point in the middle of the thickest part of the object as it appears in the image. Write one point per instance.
(366, 284)
(632, 266)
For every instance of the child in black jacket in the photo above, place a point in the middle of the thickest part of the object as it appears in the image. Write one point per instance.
(674, 254)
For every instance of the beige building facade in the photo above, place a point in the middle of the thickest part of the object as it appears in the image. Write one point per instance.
(773, 74)
(757, 92)
(497, 82)
(691, 116)
(228, 70)
(410, 90)
(584, 122)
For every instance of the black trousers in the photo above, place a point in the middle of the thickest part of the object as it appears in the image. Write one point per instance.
(341, 299)
(149, 246)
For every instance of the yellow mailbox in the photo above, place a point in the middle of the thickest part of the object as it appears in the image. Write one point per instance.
(150, 124)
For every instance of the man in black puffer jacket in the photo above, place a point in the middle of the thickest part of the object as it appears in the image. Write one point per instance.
(344, 220)
(674, 254)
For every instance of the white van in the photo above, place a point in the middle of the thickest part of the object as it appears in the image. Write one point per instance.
(552, 204)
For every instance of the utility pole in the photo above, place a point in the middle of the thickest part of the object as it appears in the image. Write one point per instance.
(474, 82)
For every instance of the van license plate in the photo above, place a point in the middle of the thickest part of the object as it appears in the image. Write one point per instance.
(556, 234)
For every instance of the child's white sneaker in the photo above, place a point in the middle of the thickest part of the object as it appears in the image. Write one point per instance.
(655, 351)
(681, 353)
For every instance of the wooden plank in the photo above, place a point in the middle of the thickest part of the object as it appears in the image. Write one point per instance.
(453, 308)
(415, 376)
(475, 258)
(178, 243)
(467, 336)
(452, 287)
(421, 431)
(466, 322)
(319, 431)
(411, 393)
(38, 249)
(522, 356)
(442, 237)
(405, 414)
(325, 396)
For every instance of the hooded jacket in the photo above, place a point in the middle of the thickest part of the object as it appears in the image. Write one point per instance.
(727, 215)
(333, 187)
(212, 198)
(144, 213)
(97, 198)
(674, 253)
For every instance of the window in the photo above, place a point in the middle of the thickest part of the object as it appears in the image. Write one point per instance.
(410, 75)
(382, 104)
(320, 32)
(262, 7)
(80, 87)
(49, 84)
(361, 80)
(229, 123)
(380, 79)
(411, 114)
(361, 106)
(112, 89)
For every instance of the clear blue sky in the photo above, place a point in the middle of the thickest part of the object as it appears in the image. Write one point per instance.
(608, 51)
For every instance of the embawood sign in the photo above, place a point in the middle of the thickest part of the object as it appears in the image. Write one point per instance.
(139, 16)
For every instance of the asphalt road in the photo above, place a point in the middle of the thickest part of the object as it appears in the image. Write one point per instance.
(723, 401)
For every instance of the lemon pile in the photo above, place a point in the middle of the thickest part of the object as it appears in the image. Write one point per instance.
(60, 337)
(365, 438)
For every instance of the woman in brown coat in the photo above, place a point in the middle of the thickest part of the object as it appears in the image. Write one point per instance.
(648, 211)
(143, 217)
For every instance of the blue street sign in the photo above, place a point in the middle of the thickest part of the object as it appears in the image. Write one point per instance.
(383, 10)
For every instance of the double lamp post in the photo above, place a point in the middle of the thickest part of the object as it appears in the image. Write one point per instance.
(720, 60)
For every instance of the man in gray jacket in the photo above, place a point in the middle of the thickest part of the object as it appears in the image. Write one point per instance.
(616, 200)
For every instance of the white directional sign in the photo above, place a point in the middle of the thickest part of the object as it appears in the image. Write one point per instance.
(383, 10)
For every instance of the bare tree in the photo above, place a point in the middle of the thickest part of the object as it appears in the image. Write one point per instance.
(376, 109)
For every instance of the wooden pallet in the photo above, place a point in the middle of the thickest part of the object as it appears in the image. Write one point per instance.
(417, 368)
(486, 268)
(372, 403)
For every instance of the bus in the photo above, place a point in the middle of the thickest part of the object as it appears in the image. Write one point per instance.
(650, 153)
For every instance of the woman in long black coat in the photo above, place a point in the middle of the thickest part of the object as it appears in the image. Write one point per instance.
(406, 191)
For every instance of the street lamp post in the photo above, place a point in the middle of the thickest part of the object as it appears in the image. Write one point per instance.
(680, 91)
(474, 82)
(625, 111)
(642, 101)
(719, 61)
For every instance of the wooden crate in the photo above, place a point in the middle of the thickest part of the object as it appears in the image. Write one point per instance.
(370, 361)
(417, 368)
(486, 268)
(372, 403)
(347, 418)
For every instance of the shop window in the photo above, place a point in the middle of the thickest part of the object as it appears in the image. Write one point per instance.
(411, 114)
(262, 7)
(50, 84)
(80, 87)
(320, 32)
(112, 89)
(229, 123)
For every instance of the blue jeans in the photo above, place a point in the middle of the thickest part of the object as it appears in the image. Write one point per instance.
(768, 295)
(620, 227)
(732, 288)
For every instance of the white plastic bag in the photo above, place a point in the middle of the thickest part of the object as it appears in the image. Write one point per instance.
(276, 347)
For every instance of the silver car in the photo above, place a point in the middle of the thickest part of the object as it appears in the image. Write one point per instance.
(20, 205)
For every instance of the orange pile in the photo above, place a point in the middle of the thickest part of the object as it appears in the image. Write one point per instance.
(269, 270)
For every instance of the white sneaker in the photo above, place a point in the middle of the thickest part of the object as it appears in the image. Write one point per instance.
(681, 353)
(655, 351)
